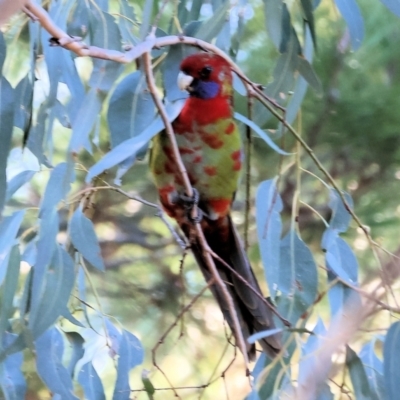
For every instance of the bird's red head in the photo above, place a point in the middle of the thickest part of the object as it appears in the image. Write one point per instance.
(206, 76)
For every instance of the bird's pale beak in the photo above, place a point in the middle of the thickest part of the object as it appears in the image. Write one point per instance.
(184, 81)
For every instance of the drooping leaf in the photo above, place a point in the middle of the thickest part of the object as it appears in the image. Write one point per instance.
(269, 228)
(263, 334)
(126, 22)
(17, 181)
(12, 381)
(391, 361)
(210, 28)
(393, 6)
(308, 7)
(9, 290)
(76, 342)
(298, 277)
(354, 20)
(55, 290)
(374, 369)
(146, 18)
(260, 133)
(3, 51)
(91, 383)
(9, 227)
(273, 10)
(57, 187)
(85, 120)
(130, 147)
(170, 71)
(23, 104)
(6, 128)
(358, 377)
(131, 108)
(130, 355)
(341, 217)
(339, 257)
(49, 352)
(105, 35)
(84, 239)
(308, 73)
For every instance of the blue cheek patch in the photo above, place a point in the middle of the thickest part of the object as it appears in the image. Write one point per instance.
(206, 90)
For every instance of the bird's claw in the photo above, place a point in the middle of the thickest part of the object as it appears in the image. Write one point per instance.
(197, 219)
(190, 201)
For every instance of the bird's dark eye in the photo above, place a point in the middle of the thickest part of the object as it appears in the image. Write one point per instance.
(205, 72)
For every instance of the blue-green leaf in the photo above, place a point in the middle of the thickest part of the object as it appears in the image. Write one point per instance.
(260, 133)
(9, 227)
(354, 20)
(17, 181)
(49, 352)
(23, 104)
(298, 277)
(91, 383)
(84, 239)
(341, 217)
(3, 51)
(374, 369)
(6, 128)
(12, 380)
(269, 228)
(359, 379)
(130, 147)
(210, 28)
(393, 6)
(76, 342)
(263, 334)
(130, 355)
(391, 362)
(10, 287)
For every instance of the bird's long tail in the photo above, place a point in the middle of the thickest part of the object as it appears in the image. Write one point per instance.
(253, 311)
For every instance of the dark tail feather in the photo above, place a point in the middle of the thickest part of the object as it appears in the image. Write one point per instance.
(253, 312)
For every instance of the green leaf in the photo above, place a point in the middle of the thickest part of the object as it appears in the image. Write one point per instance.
(391, 362)
(84, 239)
(269, 228)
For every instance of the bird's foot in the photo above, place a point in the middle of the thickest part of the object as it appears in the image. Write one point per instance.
(190, 201)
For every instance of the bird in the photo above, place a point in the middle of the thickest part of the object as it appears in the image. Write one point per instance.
(210, 147)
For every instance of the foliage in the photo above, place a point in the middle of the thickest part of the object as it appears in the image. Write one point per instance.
(75, 235)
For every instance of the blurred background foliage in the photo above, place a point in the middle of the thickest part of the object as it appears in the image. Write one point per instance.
(352, 124)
